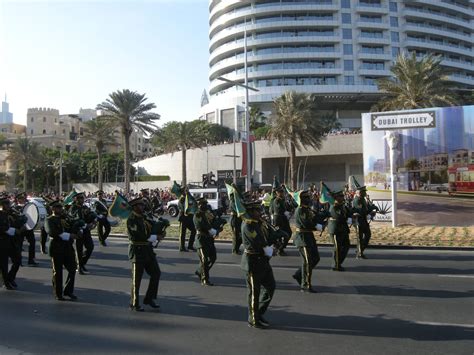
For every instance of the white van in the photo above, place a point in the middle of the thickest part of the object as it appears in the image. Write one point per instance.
(212, 194)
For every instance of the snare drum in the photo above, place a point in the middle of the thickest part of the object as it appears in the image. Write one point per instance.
(36, 214)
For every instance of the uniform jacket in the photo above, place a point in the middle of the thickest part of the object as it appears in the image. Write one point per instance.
(139, 230)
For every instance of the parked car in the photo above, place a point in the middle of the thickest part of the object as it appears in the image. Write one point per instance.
(436, 187)
(213, 196)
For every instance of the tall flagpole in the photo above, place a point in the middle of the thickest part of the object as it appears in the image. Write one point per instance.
(248, 181)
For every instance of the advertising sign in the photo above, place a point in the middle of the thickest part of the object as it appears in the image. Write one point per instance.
(385, 210)
(403, 120)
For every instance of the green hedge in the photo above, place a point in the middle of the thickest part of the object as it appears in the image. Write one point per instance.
(153, 178)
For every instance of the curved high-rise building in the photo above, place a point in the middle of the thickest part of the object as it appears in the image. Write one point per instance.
(333, 48)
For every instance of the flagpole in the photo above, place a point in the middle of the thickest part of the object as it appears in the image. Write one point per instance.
(248, 180)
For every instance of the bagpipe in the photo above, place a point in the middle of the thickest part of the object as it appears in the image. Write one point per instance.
(17, 218)
(215, 219)
(274, 236)
(158, 226)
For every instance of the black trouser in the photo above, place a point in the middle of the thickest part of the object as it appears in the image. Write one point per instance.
(103, 228)
(68, 260)
(153, 269)
(310, 258)
(29, 235)
(84, 242)
(186, 222)
(284, 224)
(236, 226)
(43, 240)
(14, 253)
(259, 301)
(341, 247)
(207, 257)
(4, 246)
(363, 234)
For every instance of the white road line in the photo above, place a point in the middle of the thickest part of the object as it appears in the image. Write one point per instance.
(273, 267)
(445, 324)
(459, 276)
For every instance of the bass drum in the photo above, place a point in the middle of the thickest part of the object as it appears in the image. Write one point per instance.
(113, 221)
(36, 214)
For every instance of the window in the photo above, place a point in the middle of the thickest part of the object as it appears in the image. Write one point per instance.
(54, 132)
(347, 48)
(346, 4)
(64, 131)
(346, 18)
(31, 132)
(393, 6)
(44, 119)
(395, 51)
(349, 80)
(393, 21)
(44, 131)
(32, 119)
(81, 131)
(348, 65)
(395, 36)
(347, 33)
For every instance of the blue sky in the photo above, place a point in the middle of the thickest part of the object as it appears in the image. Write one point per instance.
(72, 53)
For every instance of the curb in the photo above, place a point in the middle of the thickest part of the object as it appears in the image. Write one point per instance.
(387, 247)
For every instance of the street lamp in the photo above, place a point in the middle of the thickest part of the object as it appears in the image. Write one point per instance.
(234, 177)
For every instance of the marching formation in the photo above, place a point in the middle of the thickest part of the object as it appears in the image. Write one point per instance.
(262, 227)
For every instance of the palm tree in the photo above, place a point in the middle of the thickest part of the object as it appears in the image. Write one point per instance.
(257, 118)
(99, 131)
(416, 84)
(127, 110)
(412, 164)
(297, 123)
(175, 136)
(27, 153)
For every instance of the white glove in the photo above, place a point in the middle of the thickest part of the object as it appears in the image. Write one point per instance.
(287, 214)
(11, 231)
(100, 216)
(319, 227)
(153, 238)
(212, 232)
(155, 243)
(268, 251)
(349, 221)
(65, 236)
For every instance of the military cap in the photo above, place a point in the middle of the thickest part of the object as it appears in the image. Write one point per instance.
(202, 201)
(56, 203)
(4, 198)
(253, 205)
(99, 192)
(136, 201)
(20, 195)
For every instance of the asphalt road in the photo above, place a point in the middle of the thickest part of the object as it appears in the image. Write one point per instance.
(427, 209)
(416, 302)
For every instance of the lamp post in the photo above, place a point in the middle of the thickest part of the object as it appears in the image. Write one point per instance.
(234, 172)
(60, 146)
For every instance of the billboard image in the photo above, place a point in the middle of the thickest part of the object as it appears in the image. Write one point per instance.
(434, 156)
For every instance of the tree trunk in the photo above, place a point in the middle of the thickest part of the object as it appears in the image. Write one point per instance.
(99, 167)
(183, 167)
(126, 162)
(293, 166)
(25, 169)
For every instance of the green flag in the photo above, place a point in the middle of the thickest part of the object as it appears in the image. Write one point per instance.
(120, 207)
(296, 196)
(176, 189)
(70, 197)
(239, 205)
(325, 194)
(353, 184)
(190, 204)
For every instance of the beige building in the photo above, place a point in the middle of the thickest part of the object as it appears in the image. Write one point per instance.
(437, 161)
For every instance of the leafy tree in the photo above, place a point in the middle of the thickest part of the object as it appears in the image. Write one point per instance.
(127, 109)
(26, 153)
(180, 136)
(101, 132)
(215, 133)
(416, 84)
(257, 118)
(261, 132)
(297, 123)
(412, 164)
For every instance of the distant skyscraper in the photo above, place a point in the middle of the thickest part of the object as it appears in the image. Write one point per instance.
(5, 115)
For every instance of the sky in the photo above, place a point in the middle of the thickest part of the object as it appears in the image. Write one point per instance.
(71, 54)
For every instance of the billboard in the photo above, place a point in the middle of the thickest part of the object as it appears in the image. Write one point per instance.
(435, 153)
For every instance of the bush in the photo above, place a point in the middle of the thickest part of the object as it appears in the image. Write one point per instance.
(153, 178)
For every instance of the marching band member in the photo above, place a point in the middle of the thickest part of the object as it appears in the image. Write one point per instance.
(29, 235)
(338, 229)
(363, 212)
(203, 220)
(142, 256)
(305, 242)
(61, 251)
(103, 225)
(281, 216)
(7, 245)
(185, 218)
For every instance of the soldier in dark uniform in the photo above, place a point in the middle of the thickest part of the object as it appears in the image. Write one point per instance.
(7, 233)
(235, 225)
(205, 241)
(61, 251)
(280, 217)
(142, 256)
(186, 222)
(29, 235)
(304, 240)
(339, 230)
(363, 211)
(79, 213)
(43, 233)
(103, 225)
(256, 265)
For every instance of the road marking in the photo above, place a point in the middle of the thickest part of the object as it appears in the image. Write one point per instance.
(446, 324)
(273, 267)
(460, 276)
